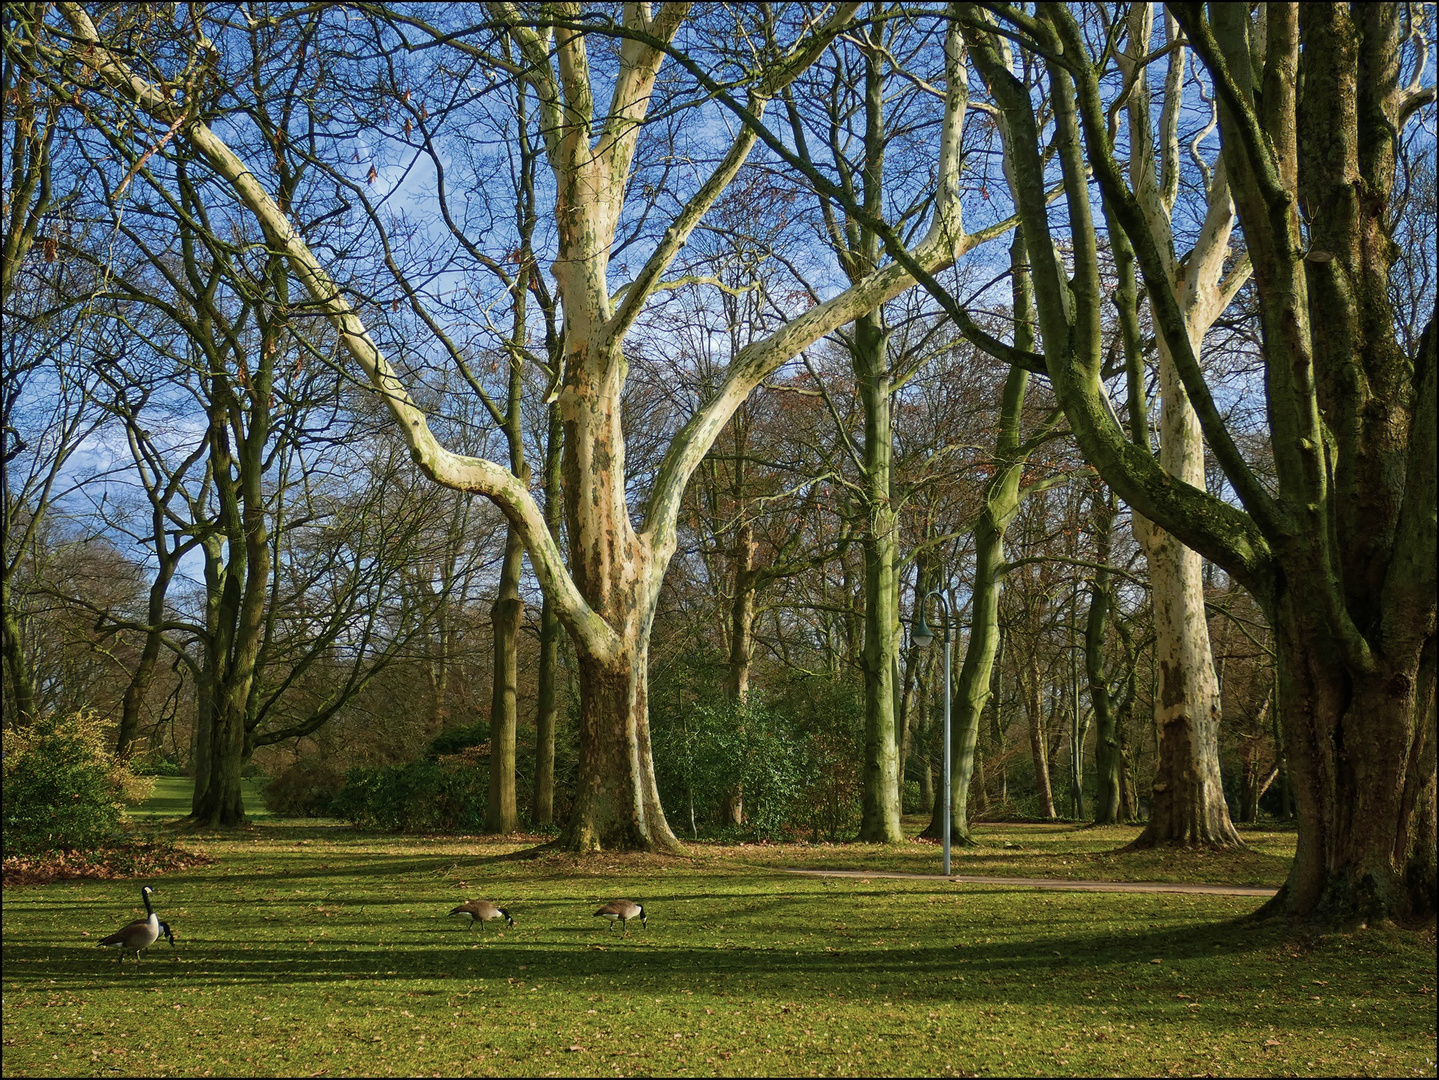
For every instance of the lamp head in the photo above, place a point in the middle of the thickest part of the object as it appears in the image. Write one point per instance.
(921, 634)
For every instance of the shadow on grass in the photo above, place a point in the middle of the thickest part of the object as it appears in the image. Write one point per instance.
(455, 961)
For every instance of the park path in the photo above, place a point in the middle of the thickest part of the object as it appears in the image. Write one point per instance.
(1059, 883)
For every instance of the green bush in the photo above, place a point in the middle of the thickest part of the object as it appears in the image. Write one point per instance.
(63, 788)
(457, 739)
(306, 789)
(157, 764)
(423, 796)
(704, 754)
(829, 715)
(910, 801)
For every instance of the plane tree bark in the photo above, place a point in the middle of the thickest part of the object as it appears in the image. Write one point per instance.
(1187, 801)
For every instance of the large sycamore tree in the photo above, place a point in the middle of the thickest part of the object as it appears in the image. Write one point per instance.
(1339, 549)
(606, 585)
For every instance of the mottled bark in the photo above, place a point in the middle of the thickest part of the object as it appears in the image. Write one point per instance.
(1187, 804)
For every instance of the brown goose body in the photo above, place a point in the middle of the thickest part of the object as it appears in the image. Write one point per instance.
(481, 911)
(622, 911)
(140, 934)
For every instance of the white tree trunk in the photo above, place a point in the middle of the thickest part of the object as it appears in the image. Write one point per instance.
(1187, 804)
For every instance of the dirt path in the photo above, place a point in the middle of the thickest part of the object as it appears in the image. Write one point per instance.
(1056, 883)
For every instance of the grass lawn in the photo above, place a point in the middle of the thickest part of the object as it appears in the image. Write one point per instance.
(172, 795)
(320, 950)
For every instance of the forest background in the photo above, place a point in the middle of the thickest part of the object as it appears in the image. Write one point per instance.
(531, 417)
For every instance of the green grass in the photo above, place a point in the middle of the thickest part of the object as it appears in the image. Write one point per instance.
(1059, 850)
(311, 949)
(172, 795)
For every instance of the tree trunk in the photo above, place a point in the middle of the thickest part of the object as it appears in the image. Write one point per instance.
(1107, 761)
(543, 802)
(616, 804)
(741, 654)
(976, 673)
(1362, 754)
(1034, 706)
(925, 740)
(237, 591)
(139, 685)
(1187, 803)
(21, 690)
(1002, 497)
(501, 814)
(223, 802)
(880, 814)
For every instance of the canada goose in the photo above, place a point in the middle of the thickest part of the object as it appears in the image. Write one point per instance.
(481, 911)
(624, 911)
(140, 934)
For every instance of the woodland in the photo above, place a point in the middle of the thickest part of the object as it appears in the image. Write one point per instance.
(556, 419)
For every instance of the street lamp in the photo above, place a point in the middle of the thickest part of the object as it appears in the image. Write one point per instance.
(922, 636)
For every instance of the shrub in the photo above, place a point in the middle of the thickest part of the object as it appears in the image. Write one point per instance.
(423, 796)
(830, 716)
(157, 764)
(457, 739)
(306, 789)
(703, 755)
(910, 801)
(63, 788)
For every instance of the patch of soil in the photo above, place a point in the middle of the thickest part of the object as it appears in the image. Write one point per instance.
(136, 858)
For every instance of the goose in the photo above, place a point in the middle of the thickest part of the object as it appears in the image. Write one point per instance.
(624, 911)
(140, 934)
(481, 911)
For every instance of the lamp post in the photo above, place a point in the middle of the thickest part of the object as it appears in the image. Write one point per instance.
(922, 636)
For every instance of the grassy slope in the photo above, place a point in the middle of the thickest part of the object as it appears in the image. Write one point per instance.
(322, 950)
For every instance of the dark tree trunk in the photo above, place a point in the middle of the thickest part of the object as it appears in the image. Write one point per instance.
(1107, 761)
(543, 803)
(1362, 755)
(501, 814)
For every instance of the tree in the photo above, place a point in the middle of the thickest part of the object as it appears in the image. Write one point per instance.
(45, 332)
(1341, 555)
(1187, 803)
(607, 594)
(1003, 493)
